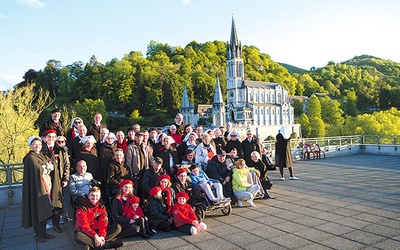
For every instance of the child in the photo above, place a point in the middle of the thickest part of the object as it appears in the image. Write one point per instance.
(156, 211)
(92, 228)
(135, 213)
(184, 217)
(200, 178)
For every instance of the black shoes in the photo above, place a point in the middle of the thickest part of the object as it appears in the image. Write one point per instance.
(113, 244)
(58, 229)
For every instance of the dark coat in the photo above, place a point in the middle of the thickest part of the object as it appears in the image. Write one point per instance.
(260, 166)
(95, 131)
(220, 143)
(150, 179)
(156, 212)
(105, 154)
(283, 152)
(74, 150)
(36, 206)
(248, 148)
(116, 173)
(51, 124)
(218, 170)
(235, 144)
(92, 162)
(164, 154)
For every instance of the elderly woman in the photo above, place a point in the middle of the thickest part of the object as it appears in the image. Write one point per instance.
(106, 153)
(89, 155)
(204, 152)
(36, 190)
(169, 155)
(189, 142)
(73, 131)
(175, 135)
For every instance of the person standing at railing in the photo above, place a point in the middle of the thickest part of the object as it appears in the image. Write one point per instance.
(36, 190)
(283, 153)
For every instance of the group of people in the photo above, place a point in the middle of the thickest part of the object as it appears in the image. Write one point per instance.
(145, 182)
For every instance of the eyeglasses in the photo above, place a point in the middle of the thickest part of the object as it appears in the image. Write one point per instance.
(77, 122)
(233, 135)
(60, 141)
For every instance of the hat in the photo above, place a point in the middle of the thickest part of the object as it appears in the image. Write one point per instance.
(55, 110)
(180, 171)
(182, 194)
(87, 138)
(164, 176)
(221, 152)
(124, 182)
(139, 133)
(133, 200)
(51, 130)
(32, 138)
(155, 190)
(158, 160)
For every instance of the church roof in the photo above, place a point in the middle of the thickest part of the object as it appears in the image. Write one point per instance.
(235, 46)
(185, 100)
(217, 93)
(258, 84)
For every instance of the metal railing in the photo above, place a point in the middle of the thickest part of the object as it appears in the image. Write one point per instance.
(11, 174)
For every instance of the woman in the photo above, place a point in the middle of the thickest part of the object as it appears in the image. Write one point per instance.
(175, 135)
(257, 163)
(118, 206)
(121, 141)
(73, 131)
(283, 153)
(36, 203)
(183, 185)
(234, 142)
(168, 193)
(116, 172)
(204, 152)
(89, 155)
(242, 189)
(106, 153)
(189, 142)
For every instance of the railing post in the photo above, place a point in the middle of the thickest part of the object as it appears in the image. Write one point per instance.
(9, 177)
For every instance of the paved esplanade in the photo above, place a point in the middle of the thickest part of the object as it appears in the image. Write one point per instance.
(350, 202)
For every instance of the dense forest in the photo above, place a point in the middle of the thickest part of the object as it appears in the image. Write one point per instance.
(148, 89)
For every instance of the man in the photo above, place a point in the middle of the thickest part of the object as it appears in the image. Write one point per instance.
(249, 145)
(75, 146)
(217, 169)
(199, 132)
(94, 128)
(153, 137)
(228, 129)
(180, 126)
(54, 122)
(92, 228)
(130, 134)
(138, 160)
(150, 176)
(60, 176)
(136, 128)
(79, 183)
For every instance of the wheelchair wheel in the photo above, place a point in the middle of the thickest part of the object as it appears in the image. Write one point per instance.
(227, 210)
(200, 213)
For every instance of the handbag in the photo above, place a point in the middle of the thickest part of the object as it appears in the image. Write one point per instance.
(268, 183)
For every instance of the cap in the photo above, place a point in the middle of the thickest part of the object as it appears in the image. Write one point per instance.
(181, 170)
(55, 110)
(155, 190)
(49, 131)
(124, 182)
(182, 194)
(158, 160)
(164, 176)
(32, 138)
(139, 133)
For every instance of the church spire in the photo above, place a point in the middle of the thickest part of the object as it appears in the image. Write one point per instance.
(218, 94)
(185, 100)
(235, 46)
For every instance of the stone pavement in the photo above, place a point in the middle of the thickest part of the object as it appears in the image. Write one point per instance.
(349, 202)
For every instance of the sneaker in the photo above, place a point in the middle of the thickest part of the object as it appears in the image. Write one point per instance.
(293, 178)
(240, 203)
(282, 178)
(251, 203)
(225, 199)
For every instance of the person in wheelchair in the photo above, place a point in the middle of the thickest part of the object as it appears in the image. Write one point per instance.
(80, 183)
(206, 184)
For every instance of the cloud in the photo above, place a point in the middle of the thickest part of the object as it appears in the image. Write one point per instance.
(186, 1)
(32, 3)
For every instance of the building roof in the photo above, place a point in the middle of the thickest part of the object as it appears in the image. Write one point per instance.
(204, 108)
(258, 84)
(217, 94)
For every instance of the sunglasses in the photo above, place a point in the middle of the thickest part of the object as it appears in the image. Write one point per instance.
(233, 135)
(77, 122)
(60, 141)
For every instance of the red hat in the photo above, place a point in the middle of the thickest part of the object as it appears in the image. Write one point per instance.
(155, 190)
(164, 176)
(180, 171)
(124, 182)
(182, 194)
(133, 200)
(51, 130)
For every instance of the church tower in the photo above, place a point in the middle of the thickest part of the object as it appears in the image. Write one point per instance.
(187, 109)
(218, 106)
(234, 79)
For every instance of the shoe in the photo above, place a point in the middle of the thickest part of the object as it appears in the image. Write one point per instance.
(251, 203)
(282, 178)
(240, 203)
(58, 229)
(40, 239)
(265, 197)
(293, 178)
(153, 231)
(48, 236)
(225, 199)
(146, 236)
(113, 244)
(271, 197)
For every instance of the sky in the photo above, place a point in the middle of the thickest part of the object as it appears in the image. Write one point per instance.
(302, 33)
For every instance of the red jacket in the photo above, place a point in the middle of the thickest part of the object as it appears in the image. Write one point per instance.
(130, 212)
(92, 220)
(183, 214)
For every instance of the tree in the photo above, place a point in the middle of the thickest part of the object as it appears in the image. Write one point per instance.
(317, 127)
(298, 107)
(350, 103)
(305, 125)
(19, 110)
(331, 111)
(88, 108)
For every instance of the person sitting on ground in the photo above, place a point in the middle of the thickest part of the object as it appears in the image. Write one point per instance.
(168, 193)
(156, 211)
(201, 179)
(242, 189)
(118, 206)
(184, 217)
(92, 228)
(133, 211)
(183, 185)
(257, 163)
(150, 176)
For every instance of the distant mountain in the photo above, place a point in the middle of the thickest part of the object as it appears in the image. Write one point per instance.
(292, 69)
